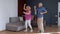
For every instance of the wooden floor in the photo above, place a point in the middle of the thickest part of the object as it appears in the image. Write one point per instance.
(52, 30)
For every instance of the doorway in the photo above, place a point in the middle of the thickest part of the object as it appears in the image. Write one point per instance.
(20, 6)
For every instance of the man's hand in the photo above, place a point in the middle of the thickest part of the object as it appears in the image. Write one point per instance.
(41, 13)
(34, 7)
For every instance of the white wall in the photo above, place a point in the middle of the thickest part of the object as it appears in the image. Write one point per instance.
(58, 13)
(8, 8)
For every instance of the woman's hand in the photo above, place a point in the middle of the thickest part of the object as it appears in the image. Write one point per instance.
(24, 12)
(24, 7)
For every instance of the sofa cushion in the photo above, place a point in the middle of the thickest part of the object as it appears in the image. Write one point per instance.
(21, 18)
(14, 19)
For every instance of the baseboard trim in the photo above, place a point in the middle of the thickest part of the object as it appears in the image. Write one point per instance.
(3, 30)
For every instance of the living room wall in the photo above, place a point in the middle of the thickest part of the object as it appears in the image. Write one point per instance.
(8, 8)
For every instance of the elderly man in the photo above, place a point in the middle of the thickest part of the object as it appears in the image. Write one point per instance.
(40, 11)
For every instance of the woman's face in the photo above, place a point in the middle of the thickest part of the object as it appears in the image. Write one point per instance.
(40, 5)
(28, 7)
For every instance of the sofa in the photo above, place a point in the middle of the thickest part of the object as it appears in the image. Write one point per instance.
(15, 24)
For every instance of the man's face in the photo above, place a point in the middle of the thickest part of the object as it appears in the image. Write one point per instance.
(40, 5)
